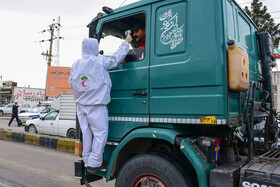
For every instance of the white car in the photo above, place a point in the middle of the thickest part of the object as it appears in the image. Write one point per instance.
(9, 107)
(52, 125)
(24, 108)
(34, 113)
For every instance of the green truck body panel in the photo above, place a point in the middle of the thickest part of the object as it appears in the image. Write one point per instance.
(186, 82)
(118, 129)
(184, 73)
(241, 29)
(201, 167)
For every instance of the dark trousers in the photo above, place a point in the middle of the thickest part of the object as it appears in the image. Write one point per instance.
(13, 117)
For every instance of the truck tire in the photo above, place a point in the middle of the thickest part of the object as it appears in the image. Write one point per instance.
(32, 129)
(71, 134)
(152, 170)
(1, 113)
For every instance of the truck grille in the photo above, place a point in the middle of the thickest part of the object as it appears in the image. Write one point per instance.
(272, 155)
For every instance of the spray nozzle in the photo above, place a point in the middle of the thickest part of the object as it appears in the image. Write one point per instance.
(128, 32)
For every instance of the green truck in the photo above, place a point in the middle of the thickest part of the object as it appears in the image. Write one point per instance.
(185, 109)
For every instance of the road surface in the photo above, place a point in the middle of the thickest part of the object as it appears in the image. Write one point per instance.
(4, 121)
(24, 165)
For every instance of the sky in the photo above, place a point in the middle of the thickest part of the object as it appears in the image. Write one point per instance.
(22, 23)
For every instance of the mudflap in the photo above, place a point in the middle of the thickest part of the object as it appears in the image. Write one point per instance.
(80, 173)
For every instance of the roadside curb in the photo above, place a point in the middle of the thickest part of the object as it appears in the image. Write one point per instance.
(60, 144)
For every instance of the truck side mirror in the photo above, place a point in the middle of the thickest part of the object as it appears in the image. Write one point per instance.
(42, 118)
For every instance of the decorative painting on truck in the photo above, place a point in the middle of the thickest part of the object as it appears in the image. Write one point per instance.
(172, 34)
(171, 28)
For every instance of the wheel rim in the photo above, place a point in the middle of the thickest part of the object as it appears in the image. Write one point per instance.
(72, 135)
(32, 130)
(147, 180)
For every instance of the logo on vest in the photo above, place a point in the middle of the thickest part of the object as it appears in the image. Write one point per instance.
(85, 80)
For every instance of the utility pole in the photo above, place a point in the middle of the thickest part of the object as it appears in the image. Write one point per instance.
(1, 81)
(53, 37)
(48, 54)
(51, 43)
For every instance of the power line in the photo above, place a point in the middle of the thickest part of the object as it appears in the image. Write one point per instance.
(74, 38)
(244, 3)
(274, 12)
(248, 2)
(74, 27)
(122, 3)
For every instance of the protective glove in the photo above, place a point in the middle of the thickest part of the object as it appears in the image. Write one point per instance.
(128, 39)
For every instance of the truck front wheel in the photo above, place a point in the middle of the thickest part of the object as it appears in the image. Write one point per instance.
(152, 170)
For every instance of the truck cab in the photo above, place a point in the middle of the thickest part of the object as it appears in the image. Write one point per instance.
(183, 108)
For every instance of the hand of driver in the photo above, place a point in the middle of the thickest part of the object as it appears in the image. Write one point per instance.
(128, 39)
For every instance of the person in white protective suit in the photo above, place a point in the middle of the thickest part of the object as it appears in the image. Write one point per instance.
(91, 85)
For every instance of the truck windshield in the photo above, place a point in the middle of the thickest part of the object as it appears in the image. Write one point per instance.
(113, 34)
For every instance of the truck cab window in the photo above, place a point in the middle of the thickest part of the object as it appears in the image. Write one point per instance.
(114, 32)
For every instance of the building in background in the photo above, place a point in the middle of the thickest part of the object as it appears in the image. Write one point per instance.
(57, 81)
(31, 96)
(10, 93)
(6, 92)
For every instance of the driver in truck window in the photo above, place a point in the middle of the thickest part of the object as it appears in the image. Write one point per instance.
(91, 85)
(139, 33)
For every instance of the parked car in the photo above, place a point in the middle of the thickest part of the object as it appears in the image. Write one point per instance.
(8, 108)
(45, 104)
(35, 112)
(52, 125)
(24, 108)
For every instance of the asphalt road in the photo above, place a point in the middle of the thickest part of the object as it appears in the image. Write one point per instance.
(24, 165)
(4, 121)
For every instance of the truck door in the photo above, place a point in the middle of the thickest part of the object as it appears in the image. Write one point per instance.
(129, 106)
(48, 123)
(169, 53)
(186, 82)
